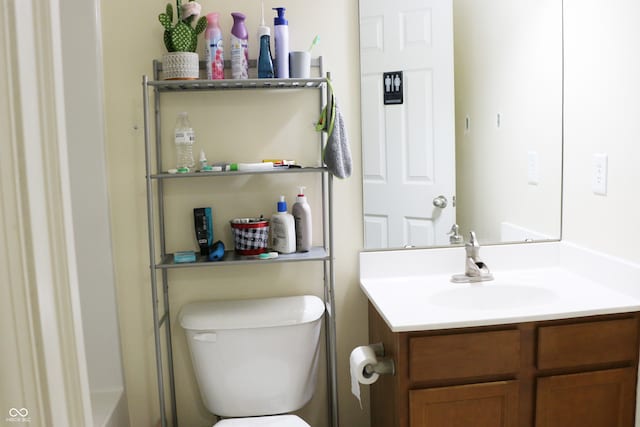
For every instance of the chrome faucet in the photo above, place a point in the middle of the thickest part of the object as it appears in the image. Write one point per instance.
(454, 235)
(475, 269)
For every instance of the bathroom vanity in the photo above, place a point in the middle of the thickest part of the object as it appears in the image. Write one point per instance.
(554, 345)
(575, 372)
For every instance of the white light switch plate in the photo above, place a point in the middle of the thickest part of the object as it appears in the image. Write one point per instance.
(599, 177)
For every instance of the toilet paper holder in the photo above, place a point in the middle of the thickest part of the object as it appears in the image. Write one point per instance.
(383, 366)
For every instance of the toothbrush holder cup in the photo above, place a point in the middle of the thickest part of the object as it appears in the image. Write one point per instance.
(300, 64)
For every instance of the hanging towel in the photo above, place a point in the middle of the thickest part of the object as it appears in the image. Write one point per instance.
(337, 152)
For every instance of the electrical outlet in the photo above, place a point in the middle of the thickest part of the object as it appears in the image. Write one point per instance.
(599, 174)
(533, 168)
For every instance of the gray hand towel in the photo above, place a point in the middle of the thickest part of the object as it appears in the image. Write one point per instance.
(337, 153)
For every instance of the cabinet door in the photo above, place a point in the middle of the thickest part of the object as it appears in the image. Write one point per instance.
(592, 399)
(479, 405)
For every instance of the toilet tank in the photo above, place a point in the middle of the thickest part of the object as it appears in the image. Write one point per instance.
(254, 357)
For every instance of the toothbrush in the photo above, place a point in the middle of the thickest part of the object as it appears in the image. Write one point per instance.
(314, 42)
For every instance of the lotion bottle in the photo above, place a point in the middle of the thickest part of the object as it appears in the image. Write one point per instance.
(302, 217)
(282, 228)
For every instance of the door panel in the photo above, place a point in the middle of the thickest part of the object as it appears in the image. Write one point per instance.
(592, 399)
(478, 405)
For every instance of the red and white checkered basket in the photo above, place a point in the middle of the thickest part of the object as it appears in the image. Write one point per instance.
(250, 235)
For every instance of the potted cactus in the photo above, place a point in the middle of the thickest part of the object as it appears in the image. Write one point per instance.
(181, 40)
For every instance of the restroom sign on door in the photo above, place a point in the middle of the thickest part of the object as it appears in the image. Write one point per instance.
(392, 87)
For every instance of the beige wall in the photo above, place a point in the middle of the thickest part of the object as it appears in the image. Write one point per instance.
(132, 38)
(602, 110)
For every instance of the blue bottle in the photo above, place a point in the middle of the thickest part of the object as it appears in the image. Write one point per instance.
(265, 63)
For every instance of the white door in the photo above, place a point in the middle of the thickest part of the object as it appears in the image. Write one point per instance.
(408, 148)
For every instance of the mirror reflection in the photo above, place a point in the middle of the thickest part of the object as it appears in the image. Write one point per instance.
(461, 121)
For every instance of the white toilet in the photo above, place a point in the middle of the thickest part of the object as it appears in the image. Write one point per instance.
(255, 359)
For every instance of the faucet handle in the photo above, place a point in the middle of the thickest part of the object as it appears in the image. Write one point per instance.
(472, 247)
(473, 241)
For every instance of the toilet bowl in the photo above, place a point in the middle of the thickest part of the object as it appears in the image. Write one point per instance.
(255, 359)
(270, 421)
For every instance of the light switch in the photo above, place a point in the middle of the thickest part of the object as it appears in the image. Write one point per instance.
(599, 174)
(533, 168)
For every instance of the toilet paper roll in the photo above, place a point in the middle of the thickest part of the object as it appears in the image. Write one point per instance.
(361, 357)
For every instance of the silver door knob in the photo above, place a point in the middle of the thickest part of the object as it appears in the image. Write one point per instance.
(440, 202)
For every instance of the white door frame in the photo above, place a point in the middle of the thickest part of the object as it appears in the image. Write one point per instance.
(44, 376)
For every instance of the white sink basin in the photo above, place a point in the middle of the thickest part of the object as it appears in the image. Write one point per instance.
(491, 296)
(413, 292)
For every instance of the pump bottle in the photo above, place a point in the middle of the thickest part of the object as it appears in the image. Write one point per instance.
(281, 36)
(302, 217)
(282, 228)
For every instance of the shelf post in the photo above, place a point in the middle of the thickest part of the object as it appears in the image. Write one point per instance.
(152, 255)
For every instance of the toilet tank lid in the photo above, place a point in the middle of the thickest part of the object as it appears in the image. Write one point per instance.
(251, 313)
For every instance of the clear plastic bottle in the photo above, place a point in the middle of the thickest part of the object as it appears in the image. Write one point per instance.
(184, 139)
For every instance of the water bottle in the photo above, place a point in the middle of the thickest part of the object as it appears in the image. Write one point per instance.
(184, 139)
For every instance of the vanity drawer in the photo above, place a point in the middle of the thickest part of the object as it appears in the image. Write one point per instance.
(589, 343)
(461, 356)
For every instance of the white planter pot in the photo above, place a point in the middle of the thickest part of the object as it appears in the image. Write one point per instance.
(180, 66)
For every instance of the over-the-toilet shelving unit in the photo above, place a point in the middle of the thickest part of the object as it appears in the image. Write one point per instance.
(161, 261)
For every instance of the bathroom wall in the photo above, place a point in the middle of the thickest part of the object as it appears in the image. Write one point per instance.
(602, 106)
(601, 110)
(223, 122)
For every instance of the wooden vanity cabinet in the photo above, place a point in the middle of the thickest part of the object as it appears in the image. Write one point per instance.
(577, 372)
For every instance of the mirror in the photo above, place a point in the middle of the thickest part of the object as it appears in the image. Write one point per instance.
(461, 121)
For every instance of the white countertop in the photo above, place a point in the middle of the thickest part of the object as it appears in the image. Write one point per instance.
(412, 290)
